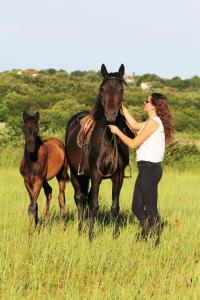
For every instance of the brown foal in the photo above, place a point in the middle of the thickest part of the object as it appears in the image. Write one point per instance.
(42, 161)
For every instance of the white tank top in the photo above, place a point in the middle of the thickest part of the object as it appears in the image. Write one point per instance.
(153, 148)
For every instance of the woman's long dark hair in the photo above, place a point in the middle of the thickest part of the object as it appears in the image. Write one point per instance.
(163, 111)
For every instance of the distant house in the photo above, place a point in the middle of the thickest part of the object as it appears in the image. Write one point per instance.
(128, 78)
(35, 73)
(167, 88)
(145, 85)
(31, 72)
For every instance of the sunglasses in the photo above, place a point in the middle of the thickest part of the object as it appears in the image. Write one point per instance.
(147, 101)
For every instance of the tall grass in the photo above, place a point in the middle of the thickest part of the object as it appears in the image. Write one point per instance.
(51, 264)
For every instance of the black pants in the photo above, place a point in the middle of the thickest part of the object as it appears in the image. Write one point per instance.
(145, 195)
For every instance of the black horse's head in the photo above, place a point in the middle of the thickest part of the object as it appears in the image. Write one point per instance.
(30, 130)
(111, 92)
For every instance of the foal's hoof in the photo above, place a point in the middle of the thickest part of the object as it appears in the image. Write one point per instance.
(32, 225)
(63, 226)
(46, 220)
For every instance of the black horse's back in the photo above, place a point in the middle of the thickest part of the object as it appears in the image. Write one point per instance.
(77, 117)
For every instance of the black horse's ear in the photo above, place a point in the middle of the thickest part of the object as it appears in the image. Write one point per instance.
(121, 70)
(37, 116)
(25, 116)
(104, 71)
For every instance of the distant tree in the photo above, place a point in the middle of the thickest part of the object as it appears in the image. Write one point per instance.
(78, 73)
(177, 83)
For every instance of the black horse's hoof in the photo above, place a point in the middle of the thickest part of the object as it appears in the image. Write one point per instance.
(116, 233)
(91, 236)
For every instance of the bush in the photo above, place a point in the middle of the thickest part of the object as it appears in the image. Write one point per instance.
(11, 136)
(179, 153)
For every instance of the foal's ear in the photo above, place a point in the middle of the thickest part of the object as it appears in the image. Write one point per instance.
(121, 70)
(37, 116)
(104, 71)
(25, 116)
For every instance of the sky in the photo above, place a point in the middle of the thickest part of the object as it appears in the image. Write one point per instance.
(147, 36)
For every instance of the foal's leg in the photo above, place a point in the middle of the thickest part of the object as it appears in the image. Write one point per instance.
(117, 180)
(33, 191)
(93, 202)
(80, 196)
(61, 177)
(48, 194)
(29, 189)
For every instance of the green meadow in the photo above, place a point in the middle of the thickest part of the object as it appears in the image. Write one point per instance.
(52, 264)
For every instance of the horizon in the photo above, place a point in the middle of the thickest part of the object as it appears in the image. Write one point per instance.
(69, 72)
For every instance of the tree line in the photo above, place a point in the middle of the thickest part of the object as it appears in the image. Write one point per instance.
(58, 95)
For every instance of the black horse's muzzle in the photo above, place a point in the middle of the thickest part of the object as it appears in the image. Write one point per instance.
(111, 116)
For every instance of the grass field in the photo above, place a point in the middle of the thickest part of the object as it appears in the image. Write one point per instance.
(51, 264)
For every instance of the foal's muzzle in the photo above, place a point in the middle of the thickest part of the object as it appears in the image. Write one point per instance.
(30, 144)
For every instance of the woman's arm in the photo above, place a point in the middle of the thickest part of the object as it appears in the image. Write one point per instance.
(131, 121)
(148, 129)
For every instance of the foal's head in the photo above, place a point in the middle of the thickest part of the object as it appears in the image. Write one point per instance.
(30, 130)
(111, 92)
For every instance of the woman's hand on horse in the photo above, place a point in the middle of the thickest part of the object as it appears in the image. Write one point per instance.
(114, 129)
(124, 109)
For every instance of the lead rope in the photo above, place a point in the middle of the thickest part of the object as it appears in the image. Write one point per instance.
(114, 156)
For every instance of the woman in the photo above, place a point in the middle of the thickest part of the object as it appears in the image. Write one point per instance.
(150, 141)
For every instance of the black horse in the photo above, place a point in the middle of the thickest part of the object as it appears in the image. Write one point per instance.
(106, 156)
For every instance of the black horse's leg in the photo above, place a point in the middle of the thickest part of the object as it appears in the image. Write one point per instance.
(48, 194)
(117, 180)
(61, 177)
(80, 185)
(93, 202)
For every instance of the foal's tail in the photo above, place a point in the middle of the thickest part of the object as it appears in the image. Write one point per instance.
(65, 174)
(67, 177)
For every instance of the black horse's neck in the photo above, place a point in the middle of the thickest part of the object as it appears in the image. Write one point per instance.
(33, 156)
(99, 110)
